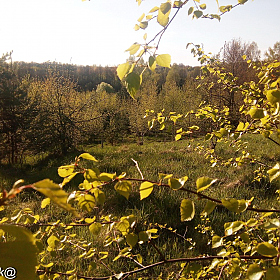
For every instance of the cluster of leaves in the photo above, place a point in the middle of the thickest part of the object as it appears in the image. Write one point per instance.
(164, 17)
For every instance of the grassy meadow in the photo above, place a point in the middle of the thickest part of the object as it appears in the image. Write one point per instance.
(162, 206)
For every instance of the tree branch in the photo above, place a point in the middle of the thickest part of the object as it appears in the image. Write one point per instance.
(200, 195)
(125, 274)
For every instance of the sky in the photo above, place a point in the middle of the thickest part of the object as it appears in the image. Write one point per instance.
(98, 32)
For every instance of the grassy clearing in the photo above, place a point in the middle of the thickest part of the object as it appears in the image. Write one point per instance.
(162, 206)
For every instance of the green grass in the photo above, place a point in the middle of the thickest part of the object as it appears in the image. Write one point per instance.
(162, 206)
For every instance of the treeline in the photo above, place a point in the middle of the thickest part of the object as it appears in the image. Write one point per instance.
(86, 77)
(52, 107)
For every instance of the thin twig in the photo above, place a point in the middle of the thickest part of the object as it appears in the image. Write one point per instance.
(137, 166)
(106, 266)
(275, 142)
(178, 276)
(76, 245)
(138, 263)
(157, 249)
(60, 224)
(221, 272)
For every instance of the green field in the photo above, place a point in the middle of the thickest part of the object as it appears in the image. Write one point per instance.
(160, 210)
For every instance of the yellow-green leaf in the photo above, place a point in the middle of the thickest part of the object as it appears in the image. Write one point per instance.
(203, 183)
(209, 207)
(141, 17)
(174, 184)
(202, 6)
(187, 210)
(177, 4)
(273, 96)
(55, 193)
(68, 178)
(256, 113)
(231, 228)
(254, 272)
(64, 171)
(274, 172)
(152, 63)
(245, 237)
(183, 180)
(95, 228)
(252, 222)
(217, 241)
(104, 255)
(20, 233)
(273, 273)
(91, 175)
(18, 257)
(107, 177)
(139, 258)
(162, 18)
(163, 60)
(146, 189)
(190, 10)
(132, 82)
(99, 196)
(123, 188)
(133, 49)
(224, 9)
(123, 69)
(266, 249)
(53, 241)
(45, 202)
(123, 225)
(235, 205)
(143, 236)
(178, 137)
(132, 239)
(165, 8)
(86, 202)
(143, 24)
(154, 9)
(88, 157)
(198, 14)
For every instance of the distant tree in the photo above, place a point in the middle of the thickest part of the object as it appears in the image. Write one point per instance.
(178, 73)
(64, 115)
(231, 61)
(273, 53)
(111, 122)
(14, 116)
(183, 99)
(146, 99)
(104, 87)
(232, 57)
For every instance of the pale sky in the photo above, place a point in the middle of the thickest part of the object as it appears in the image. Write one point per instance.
(98, 32)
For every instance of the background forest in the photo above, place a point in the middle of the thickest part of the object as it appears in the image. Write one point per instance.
(52, 107)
